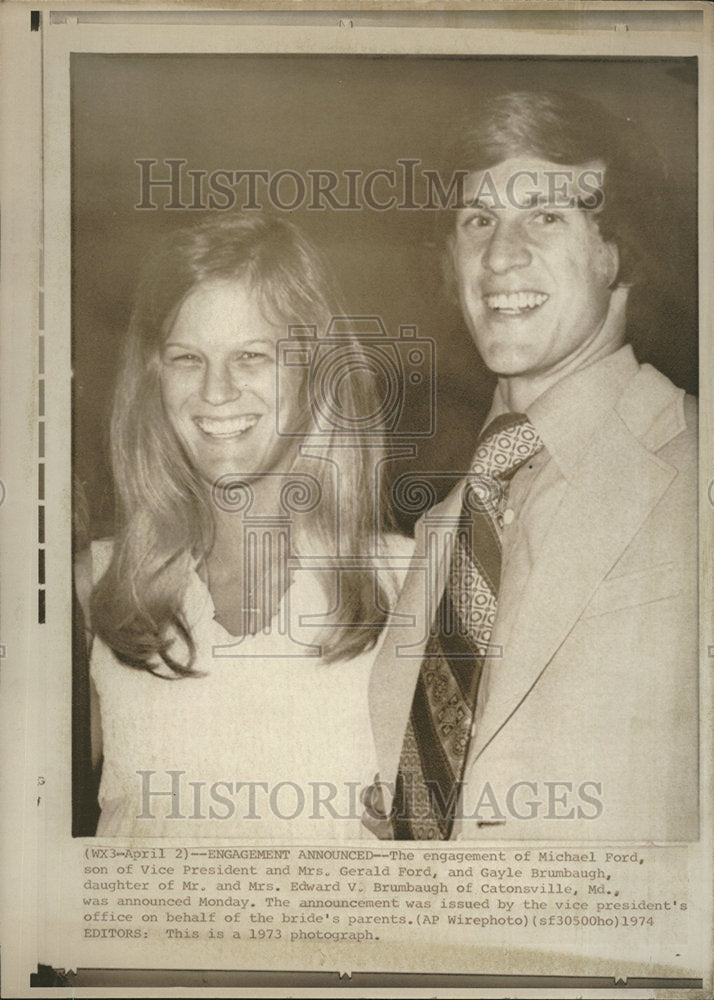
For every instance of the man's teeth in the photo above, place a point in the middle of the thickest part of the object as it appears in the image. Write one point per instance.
(515, 301)
(226, 427)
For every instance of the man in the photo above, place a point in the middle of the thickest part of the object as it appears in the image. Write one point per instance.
(553, 692)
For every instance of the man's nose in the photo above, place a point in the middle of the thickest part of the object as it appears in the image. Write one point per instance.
(219, 385)
(507, 247)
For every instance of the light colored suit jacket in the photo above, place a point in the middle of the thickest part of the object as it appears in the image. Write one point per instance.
(586, 724)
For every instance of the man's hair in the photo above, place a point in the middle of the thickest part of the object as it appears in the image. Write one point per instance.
(566, 128)
(165, 511)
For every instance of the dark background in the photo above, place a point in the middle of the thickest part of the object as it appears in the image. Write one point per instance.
(274, 112)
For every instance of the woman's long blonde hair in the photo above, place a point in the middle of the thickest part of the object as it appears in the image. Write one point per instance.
(165, 520)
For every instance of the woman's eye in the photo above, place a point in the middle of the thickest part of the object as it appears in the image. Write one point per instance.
(183, 359)
(252, 357)
(548, 218)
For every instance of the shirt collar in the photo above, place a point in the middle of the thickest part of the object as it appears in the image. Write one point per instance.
(567, 415)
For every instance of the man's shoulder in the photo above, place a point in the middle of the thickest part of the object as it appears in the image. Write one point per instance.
(659, 414)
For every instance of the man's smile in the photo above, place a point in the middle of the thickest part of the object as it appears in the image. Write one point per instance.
(514, 303)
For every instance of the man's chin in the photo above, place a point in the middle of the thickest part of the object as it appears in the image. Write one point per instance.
(509, 362)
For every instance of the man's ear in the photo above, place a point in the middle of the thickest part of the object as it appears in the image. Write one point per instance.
(616, 318)
(612, 264)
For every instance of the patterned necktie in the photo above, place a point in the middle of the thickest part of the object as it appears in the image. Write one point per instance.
(433, 754)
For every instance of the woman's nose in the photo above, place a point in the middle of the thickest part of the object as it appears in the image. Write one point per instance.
(507, 247)
(219, 385)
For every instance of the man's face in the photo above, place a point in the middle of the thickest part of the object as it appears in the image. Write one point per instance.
(533, 272)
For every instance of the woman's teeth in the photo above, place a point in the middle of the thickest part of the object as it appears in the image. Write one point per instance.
(226, 426)
(515, 302)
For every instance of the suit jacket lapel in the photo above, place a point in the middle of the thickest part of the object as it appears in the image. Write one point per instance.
(396, 667)
(619, 483)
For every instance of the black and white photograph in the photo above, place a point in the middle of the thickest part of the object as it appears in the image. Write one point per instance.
(315, 361)
(370, 511)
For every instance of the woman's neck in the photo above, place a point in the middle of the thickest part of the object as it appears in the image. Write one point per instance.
(237, 510)
(246, 568)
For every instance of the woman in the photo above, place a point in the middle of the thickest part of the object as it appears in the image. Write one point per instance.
(238, 610)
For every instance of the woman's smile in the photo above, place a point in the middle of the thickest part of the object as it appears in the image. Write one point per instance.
(227, 427)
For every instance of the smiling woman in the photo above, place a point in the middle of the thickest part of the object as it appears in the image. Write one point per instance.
(219, 386)
(239, 513)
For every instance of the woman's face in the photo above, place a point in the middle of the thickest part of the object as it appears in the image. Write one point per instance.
(219, 384)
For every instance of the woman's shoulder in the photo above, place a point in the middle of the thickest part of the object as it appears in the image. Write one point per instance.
(101, 551)
(89, 566)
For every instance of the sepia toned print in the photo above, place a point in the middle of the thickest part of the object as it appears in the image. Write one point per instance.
(365, 602)
(239, 373)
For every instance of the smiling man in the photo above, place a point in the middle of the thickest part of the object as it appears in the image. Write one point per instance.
(555, 694)
(535, 276)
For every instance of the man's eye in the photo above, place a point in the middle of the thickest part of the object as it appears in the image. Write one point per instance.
(548, 218)
(478, 221)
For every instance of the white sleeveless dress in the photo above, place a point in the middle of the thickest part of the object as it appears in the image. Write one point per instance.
(269, 742)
